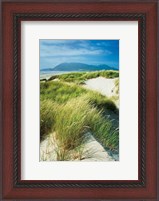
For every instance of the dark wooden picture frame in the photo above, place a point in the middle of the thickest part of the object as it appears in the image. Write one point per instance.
(145, 12)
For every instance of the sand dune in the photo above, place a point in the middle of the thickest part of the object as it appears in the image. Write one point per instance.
(103, 85)
(91, 151)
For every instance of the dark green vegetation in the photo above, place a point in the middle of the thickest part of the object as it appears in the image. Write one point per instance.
(81, 77)
(71, 111)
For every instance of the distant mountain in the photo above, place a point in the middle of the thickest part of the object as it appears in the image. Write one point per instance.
(79, 67)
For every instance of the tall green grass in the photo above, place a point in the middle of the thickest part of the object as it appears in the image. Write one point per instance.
(61, 92)
(72, 120)
(47, 117)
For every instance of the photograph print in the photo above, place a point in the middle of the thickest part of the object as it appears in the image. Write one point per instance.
(79, 100)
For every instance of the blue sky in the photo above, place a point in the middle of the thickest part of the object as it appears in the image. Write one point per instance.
(54, 52)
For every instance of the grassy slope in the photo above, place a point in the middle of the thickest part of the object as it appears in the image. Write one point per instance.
(71, 111)
(80, 77)
(61, 92)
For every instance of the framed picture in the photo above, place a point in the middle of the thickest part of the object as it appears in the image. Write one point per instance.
(79, 100)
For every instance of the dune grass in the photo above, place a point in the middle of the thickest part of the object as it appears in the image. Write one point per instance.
(81, 77)
(117, 86)
(72, 120)
(47, 117)
(61, 92)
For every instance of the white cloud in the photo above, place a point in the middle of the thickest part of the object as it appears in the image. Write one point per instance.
(57, 50)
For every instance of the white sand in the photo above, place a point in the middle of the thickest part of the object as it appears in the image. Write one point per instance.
(91, 151)
(94, 151)
(103, 85)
